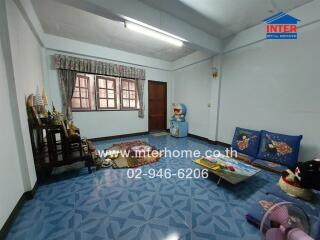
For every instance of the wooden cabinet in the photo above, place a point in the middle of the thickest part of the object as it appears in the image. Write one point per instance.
(52, 147)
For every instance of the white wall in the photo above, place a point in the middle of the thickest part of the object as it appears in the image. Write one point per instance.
(11, 186)
(26, 57)
(192, 86)
(274, 85)
(14, 177)
(109, 123)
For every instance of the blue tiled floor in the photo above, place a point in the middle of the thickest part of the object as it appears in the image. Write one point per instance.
(108, 205)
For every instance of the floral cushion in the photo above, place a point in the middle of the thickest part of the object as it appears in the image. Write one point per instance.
(257, 210)
(279, 148)
(246, 141)
(274, 167)
(242, 157)
(312, 208)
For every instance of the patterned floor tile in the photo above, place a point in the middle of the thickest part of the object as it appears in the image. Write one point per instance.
(108, 205)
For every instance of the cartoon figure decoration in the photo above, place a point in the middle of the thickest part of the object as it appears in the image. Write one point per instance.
(179, 112)
(278, 147)
(178, 124)
(243, 141)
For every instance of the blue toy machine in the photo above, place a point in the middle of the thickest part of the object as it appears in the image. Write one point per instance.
(178, 124)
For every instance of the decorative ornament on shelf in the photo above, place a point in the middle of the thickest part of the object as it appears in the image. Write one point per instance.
(44, 98)
(30, 101)
(214, 72)
(73, 129)
(53, 107)
(38, 102)
(57, 117)
(49, 117)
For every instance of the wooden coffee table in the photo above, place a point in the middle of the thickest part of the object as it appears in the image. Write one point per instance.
(242, 171)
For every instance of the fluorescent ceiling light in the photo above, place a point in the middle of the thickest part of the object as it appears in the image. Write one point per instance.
(154, 33)
(151, 27)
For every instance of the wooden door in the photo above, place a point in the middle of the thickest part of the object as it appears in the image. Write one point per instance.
(157, 105)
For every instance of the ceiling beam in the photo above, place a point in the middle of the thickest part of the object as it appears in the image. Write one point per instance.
(70, 46)
(27, 11)
(137, 10)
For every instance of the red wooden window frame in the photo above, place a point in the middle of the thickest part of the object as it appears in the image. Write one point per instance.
(81, 98)
(107, 89)
(129, 91)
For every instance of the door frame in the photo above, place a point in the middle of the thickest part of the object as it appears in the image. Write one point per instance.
(166, 103)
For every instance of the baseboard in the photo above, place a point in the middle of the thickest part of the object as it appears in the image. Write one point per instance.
(12, 217)
(197, 137)
(209, 141)
(143, 133)
(226, 145)
(7, 225)
(117, 136)
(30, 194)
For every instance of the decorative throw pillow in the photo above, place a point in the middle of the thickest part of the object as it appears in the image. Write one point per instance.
(279, 148)
(257, 210)
(246, 141)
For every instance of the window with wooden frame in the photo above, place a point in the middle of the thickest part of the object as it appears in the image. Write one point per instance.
(106, 88)
(103, 93)
(129, 94)
(81, 99)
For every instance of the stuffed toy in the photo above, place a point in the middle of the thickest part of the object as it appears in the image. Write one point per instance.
(179, 111)
(301, 182)
(290, 183)
(309, 174)
(178, 124)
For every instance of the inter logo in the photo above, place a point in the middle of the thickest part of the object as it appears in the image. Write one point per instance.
(281, 26)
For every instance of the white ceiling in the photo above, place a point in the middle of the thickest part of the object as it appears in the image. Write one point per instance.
(223, 18)
(65, 21)
(219, 18)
